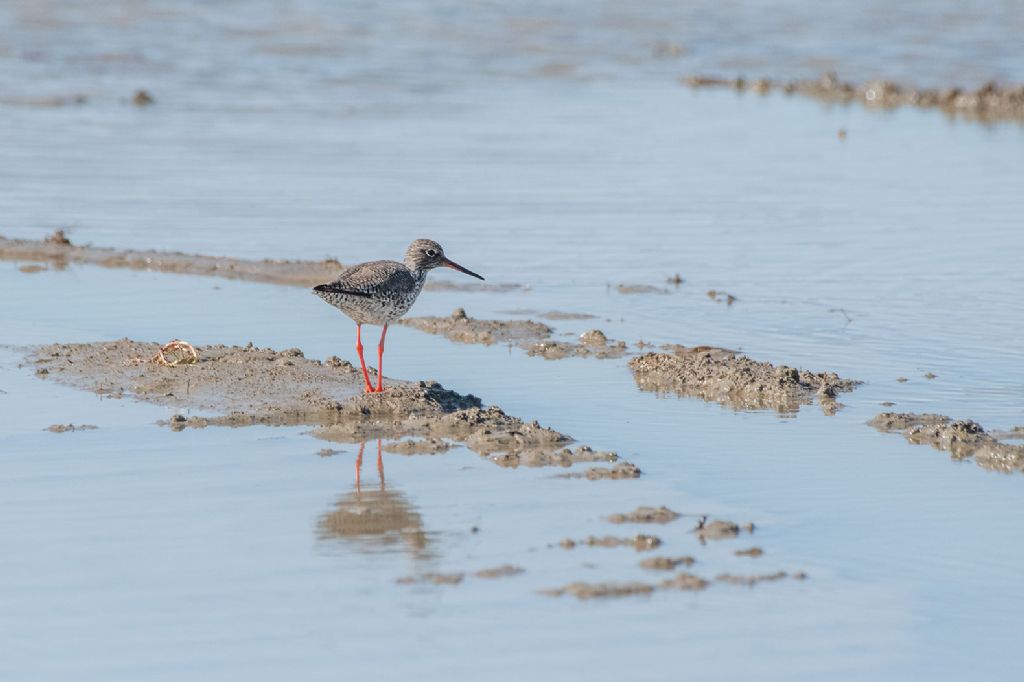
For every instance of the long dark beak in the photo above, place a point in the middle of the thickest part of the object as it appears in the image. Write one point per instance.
(455, 266)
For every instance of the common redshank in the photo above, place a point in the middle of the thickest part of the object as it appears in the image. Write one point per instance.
(381, 291)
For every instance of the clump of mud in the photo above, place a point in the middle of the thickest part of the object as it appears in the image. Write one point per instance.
(560, 458)
(622, 470)
(533, 337)
(633, 289)
(990, 102)
(751, 580)
(646, 515)
(667, 563)
(684, 581)
(504, 571)
(60, 252)
(418, 446)
(432, 578)
(718, 529)
(731, 379)
(962, 438)
(240, 386)
(74, 99)
(681, 581)
(462, 328)
(722, 297)
(582, 590)
(563, 315)
(640, 542)
(66, 428)
(593, 344)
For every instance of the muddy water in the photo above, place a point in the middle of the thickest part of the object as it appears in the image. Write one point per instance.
(553, 149)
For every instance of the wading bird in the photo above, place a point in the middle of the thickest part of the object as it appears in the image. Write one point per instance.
(381, 291)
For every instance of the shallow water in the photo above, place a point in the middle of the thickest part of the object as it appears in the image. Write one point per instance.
(131, 550)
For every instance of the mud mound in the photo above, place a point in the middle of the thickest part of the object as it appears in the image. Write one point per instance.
(533, 337)
(60, 252)
(962, 438)
(592, 344)
(240, 386)
(726, 377)
(990, 102)
(461, 328)
(646, 515)
(274, 387)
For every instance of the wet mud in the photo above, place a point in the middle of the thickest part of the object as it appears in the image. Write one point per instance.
(533, 337)
(685, 582)
(751, 580)
(74, 99)
(646, 515)
(421, 446)
(666, 563)
(734, 380)
(640, 542)
(633, 289)
(682, 581)
(432, 578)
(591, 344)
(1016, 433)
(240, 386)
(962, 439)
(553, 315)
(751, 552)
(504, 571)
(582, 590)
(989, 103)
(621, 471)
(461, 328)
(66, 428)
(60, 252)
(716, 530)
(722, 297)
(560, 458)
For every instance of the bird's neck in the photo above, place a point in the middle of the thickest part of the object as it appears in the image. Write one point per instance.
(418, 273)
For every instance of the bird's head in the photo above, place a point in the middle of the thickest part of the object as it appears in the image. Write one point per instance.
(426, 254)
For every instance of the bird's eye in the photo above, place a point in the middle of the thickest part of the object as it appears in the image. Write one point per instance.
(431, 253)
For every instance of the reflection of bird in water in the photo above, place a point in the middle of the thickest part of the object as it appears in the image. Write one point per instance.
(374, 518)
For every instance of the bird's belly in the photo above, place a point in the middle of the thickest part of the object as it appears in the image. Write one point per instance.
(375, 311)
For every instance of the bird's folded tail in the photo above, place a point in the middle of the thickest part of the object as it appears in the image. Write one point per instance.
(338, 289)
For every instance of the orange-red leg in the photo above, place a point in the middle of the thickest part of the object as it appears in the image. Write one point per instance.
(380, 359)
(359, 462)
(380, 463)
(362, 362)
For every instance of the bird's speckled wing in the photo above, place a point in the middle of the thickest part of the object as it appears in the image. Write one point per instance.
(369, 279)
(378, 292)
